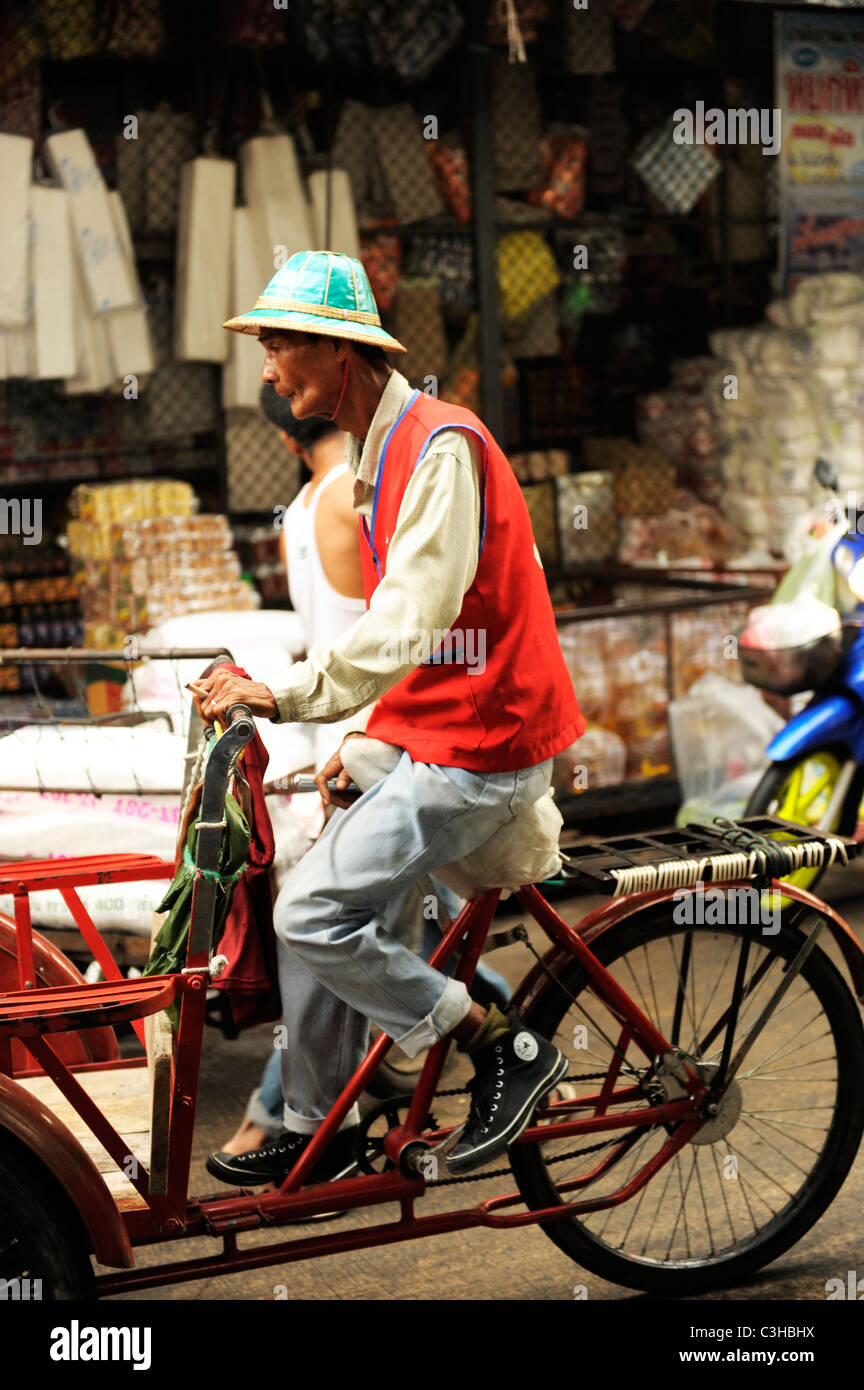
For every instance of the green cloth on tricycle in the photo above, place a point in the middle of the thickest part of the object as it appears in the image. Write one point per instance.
(168, 955)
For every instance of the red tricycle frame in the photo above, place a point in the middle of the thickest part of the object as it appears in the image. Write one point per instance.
(31, 1014)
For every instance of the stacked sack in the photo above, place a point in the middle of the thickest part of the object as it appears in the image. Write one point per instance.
(800, 395)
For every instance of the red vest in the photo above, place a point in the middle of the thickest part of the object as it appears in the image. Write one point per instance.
(493, 693)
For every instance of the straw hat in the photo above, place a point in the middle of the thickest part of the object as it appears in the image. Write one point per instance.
(319, 292)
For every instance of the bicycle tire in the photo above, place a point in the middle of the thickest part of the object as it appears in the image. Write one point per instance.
(41, 1235)
(536, 1181)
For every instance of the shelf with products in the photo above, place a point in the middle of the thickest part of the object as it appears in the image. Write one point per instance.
(634, 641)
(38, 606)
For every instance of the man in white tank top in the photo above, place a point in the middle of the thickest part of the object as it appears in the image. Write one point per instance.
(319, 542)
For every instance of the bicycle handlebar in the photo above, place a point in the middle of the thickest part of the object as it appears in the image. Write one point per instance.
(296, 782)
(238, 712)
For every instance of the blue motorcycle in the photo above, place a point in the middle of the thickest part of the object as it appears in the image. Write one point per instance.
(816, 773)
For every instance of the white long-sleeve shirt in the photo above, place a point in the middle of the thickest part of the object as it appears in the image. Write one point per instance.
(431, 562)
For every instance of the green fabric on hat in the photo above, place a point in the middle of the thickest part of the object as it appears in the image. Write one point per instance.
(319, 292)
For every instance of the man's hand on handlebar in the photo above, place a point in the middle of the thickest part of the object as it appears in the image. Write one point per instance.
(333, 769)
(224, 689)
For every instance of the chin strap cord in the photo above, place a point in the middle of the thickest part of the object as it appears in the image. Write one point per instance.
(342, 392)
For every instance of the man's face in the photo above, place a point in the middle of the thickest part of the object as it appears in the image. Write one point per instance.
(306, 372)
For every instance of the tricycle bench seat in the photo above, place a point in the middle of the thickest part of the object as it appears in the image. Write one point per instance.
(79, 871)
(65, 1008)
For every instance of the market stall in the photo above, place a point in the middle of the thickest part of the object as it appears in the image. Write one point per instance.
(547, 250)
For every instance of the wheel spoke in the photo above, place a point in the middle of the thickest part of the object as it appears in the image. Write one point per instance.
(782, 1131)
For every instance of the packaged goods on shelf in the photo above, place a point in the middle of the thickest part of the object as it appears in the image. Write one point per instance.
(644, 476)
(587, 517)
(598, 759)
(562, 190)
(705, 641)
(138, 499)
(594, 276)
(404, 159)
(166, 536)
(141, 554)
(526, 272)
(537, 333)
(354, 150)
(538, 464)
(516, 125)
(688, 530)
(589, 45)
(448, 259)
(677, 175)
(381, 254)
(619, 672)
(540, 500)
(450, 162)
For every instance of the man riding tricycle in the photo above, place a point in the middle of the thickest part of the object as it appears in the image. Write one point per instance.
(649, 1034)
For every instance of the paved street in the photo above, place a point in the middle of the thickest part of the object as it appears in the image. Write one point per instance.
(480, 1264)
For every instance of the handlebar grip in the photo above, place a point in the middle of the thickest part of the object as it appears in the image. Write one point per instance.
(298, 782)
(237, 712)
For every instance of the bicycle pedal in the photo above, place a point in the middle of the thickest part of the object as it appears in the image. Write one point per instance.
(440, 1151)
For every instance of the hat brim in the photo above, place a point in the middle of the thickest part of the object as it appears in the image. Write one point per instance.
(290, 319)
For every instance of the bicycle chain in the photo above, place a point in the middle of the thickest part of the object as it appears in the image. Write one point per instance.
(505, 1172)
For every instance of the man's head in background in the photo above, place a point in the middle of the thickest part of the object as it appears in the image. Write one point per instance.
(300, 436)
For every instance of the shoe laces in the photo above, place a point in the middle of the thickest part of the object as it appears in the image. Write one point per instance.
(486, 1088)
(278, 1146)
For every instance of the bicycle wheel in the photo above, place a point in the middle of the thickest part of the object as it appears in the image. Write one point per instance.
(43, 1249)
(750, 1184)
(800, 790)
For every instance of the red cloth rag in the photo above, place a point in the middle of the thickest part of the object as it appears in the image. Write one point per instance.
(249, 979)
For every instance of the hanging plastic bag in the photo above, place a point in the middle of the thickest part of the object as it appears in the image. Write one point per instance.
(814, 572)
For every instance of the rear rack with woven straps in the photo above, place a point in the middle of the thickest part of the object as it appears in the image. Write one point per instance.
(758, 848)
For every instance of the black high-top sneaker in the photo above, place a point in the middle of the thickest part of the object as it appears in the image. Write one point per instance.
(511, 1075)
(274, 1161)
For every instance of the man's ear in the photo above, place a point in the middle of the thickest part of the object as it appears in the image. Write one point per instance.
(340, 347)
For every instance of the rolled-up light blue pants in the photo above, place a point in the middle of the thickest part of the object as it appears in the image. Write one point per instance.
(339, 919)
